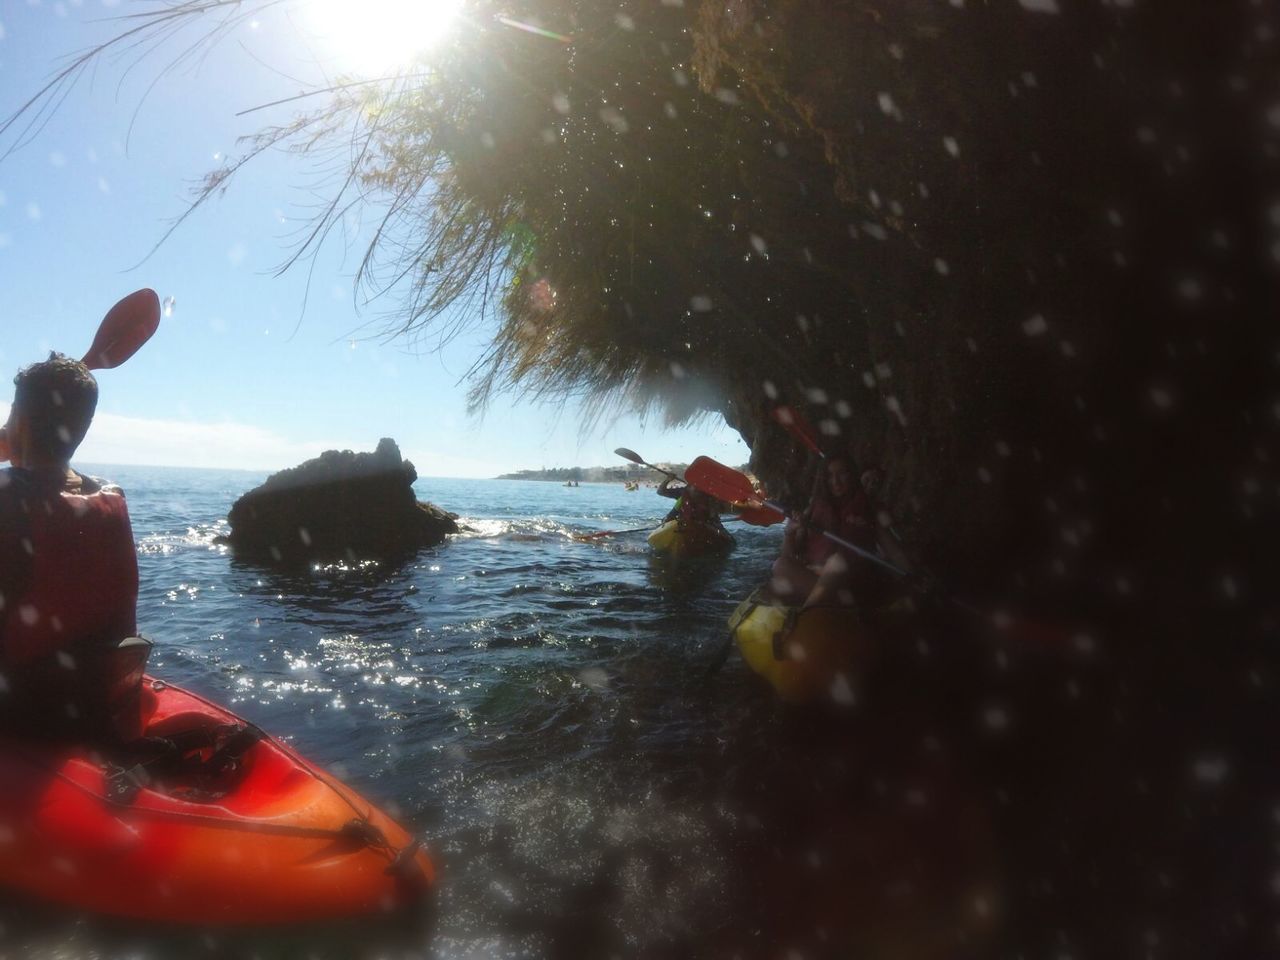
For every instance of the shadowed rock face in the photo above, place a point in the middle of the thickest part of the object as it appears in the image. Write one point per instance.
(339, 506)
(1043, 273)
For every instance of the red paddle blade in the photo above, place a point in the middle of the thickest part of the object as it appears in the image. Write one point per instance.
(126, 327)
(723, 483)
(759, 516)
(795, 424)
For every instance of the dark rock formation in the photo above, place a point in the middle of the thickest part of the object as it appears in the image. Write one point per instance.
(339, 506)
(1037, 289)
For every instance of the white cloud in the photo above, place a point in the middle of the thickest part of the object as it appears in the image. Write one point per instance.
(180, 443)
(116, 439)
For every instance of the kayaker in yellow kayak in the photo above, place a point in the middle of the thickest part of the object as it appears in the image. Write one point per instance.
(813, 570)
(693, 507)
(68, 566)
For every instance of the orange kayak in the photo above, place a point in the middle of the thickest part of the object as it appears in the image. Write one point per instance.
(205, 821)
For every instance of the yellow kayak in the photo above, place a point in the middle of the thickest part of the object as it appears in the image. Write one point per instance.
(689, 541)
(813, 654)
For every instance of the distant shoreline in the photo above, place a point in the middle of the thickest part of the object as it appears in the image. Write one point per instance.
(512, 476)
(625, 474)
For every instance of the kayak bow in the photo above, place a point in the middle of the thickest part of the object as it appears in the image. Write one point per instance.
(209, 821)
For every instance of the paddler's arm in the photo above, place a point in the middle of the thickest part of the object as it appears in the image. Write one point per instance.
(664, 489)
(794, 534)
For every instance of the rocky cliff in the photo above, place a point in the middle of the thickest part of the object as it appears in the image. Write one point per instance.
(1040, 295)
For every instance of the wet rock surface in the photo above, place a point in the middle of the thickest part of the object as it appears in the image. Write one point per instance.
(341, 506)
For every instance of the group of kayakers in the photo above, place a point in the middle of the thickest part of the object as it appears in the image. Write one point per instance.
(69, 575)
(814, 567)
(69, 661)
(812, 629)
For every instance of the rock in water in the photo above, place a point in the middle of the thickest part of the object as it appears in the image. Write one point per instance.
(339, 506)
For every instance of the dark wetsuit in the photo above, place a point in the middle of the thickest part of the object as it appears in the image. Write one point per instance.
(693, 509)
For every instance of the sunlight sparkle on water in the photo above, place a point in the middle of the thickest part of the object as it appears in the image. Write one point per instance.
(376, 36)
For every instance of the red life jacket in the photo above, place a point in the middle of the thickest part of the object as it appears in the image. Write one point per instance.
(80, 582)
(849, 518)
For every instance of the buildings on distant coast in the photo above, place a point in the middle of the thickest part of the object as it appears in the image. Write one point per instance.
(626, 473)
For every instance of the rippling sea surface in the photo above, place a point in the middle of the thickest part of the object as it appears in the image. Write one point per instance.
(555, 719)
(541, 710)
(529, 702)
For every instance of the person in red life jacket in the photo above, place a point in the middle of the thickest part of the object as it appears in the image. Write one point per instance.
(68, 564)
(693, 507)
(812, 569)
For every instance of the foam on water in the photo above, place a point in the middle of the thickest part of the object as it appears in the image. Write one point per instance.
(517, 695)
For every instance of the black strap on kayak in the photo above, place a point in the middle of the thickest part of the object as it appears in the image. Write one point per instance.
(779, 638)
(128, 782)
(123, 782)
(304, 766)
(186, 764)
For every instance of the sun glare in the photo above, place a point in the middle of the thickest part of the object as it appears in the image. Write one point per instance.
(370, 37)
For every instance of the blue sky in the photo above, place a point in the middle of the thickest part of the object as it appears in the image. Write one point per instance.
(250, 370)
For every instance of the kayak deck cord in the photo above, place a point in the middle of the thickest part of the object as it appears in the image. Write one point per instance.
(238, 736)
(124, 783)
(358, 827)
(278, 744)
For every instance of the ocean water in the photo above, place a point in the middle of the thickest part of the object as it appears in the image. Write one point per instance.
(548, 715)
(535, 706)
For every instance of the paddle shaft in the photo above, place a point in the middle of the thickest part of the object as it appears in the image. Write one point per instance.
(667, 473)
(839, 540)
(791, 420)
(628, 454)
(609, 533)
